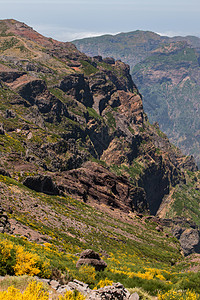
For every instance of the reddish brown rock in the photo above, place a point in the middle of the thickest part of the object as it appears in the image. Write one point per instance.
(93, 183)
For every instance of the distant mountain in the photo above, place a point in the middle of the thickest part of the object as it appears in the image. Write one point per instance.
(166, 71)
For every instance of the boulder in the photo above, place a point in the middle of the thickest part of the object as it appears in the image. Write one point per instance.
(134, 296)
(187, 232)
(54, 284)
(90, 257)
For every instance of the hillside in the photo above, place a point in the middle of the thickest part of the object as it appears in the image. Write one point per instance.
(81, 167)
(169, 82)
(166, 71)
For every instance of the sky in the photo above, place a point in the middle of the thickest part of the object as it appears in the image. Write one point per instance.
(66, 20)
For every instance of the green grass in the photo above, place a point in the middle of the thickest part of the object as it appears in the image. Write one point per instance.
(111, 120)
(9, 43)
(93, 114)
(88, 68)
(186, 200)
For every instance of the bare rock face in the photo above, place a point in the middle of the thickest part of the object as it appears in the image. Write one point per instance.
(190, 241)
(90, 257)
(42, 184)
(36, 93)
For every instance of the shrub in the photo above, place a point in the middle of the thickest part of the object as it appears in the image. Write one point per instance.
(26, 262)
(102, 283)
(15, 260)
(178, 295)
(69, 295)
(7, 258)
(34, 291)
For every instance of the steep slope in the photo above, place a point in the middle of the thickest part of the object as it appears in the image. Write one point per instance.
(169, 82)
(60, 109)
(166, 71)
(84, 163)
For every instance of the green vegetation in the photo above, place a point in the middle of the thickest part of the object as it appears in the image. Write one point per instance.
(186, 200)
(93, 114)
(88, 68)
(166, 96)
(136, 258)
(8, 43)
(111, 120)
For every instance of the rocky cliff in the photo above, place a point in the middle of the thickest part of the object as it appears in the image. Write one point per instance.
(61, 109)
(166, 71)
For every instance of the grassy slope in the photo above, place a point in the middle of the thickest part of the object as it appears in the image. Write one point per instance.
(139, 255)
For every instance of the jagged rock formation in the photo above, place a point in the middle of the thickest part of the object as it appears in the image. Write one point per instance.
(116, 291)
(93, 183)
(166, 70)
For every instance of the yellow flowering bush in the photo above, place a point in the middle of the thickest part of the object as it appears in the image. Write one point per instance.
(69, 295)
(150, 273)
(34, 291)
(26, 262)
(5, 250)
(178, 295)
(102, 283)
(7, 259)
(15, 260)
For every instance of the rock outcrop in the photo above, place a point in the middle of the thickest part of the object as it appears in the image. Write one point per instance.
(4, 172)
(114, 292)
(190, 241)
(187, 232)
(93, 183)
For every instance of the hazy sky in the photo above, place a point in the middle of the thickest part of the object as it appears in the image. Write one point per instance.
(66, 20)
